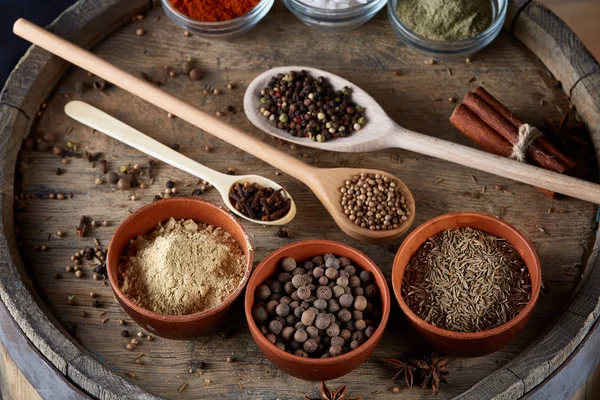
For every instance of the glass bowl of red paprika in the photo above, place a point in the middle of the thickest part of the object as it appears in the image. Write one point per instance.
(222, 19)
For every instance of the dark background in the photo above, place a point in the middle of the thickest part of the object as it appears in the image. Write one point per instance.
(42, 12)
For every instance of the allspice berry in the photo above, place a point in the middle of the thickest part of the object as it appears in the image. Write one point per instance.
(288, 264)
(308, 317)
(360, 303)
(124, 184)
(196, 74)
(310, 345)
(112, 177)
(187, 66)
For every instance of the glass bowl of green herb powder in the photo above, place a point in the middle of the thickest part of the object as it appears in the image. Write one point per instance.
(334, 15)
(447, 29)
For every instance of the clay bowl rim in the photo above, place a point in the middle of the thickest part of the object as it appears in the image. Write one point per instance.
(398, 277)
(112, 270)
(327, 245)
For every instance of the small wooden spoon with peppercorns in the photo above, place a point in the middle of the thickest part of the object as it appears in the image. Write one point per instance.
(225, 184)
(381, 132)
(325, 183)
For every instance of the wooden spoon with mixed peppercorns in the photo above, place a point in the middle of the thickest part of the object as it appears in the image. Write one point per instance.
(312, 115)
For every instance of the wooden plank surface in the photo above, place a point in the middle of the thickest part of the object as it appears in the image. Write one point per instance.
(367, 60)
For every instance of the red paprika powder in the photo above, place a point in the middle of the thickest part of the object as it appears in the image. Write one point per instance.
(214, 10)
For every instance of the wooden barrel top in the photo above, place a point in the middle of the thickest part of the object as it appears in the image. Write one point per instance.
(521, 68)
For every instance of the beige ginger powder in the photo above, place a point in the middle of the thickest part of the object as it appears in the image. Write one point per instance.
(181, 267)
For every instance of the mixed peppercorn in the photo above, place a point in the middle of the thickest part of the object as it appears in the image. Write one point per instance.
(309, 107)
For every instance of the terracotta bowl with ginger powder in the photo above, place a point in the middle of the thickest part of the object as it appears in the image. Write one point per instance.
(144, 220)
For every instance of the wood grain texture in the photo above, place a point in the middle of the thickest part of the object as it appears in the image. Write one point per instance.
(47, 380)
(13, 385)
(575, 370)
(100, 364)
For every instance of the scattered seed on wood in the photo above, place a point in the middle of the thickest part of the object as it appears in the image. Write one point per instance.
(44, 248)
(471, 79)
(468, 60)
(131, 374)
(104, 320)
(186, 33)
(60, 196)
(99, 84)
(71, 300)
(283, 232)
(182, 387)
(439, 180)
(451, 100)
(79, 274)
(140, 32)
(473, 178)
(102, 314)
(139, 356)
(129, 346)
(150, 338)
(429, 62)
(96, 303)
(231, 85)
(449, 71)
(83, 313)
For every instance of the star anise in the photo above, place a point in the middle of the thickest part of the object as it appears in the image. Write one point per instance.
(433, 371)
(328, 394)
(563, 132)
(402, 368)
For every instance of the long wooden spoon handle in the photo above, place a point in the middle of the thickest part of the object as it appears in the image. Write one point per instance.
(109, 125)
(162, 99)
(497, 165)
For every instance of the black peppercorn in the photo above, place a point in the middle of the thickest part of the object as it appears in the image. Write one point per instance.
(170, 184)
(96, 303)
(125, 333)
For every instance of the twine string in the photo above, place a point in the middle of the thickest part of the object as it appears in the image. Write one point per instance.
(527, 135)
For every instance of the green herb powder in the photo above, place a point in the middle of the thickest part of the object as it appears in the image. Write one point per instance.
(446, 19)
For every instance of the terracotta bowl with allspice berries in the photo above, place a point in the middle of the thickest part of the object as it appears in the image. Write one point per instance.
(317, 309)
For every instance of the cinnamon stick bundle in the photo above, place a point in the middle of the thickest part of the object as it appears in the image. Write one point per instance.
(491, 125)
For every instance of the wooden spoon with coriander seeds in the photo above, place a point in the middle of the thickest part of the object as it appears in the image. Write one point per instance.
(325, 183)
(381, 132)
(102, 122)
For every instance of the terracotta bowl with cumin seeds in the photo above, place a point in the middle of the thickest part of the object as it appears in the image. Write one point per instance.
(316, 369)
(144, 220)
(461, 343)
